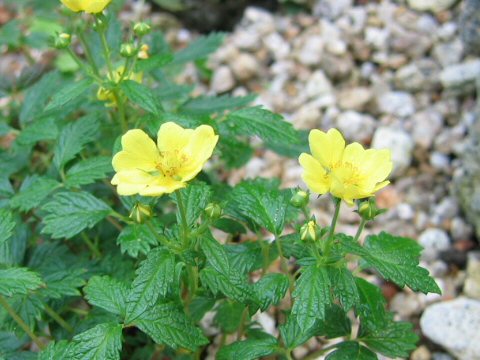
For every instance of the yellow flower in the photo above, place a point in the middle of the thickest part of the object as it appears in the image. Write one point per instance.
(143, 53)
(103, 94)
(347, 172)
(149, 169)
(89, 6)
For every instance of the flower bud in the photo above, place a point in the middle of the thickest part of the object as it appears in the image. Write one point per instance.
(141, 213)
(141, 29)
(143, 53)
(101, 23)
(127, 50)
(309, 231)
(300, 199)
(62, 41)
(213, 211)
(368, 210)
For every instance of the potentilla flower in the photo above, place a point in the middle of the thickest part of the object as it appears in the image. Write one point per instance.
(347, 172)
(89, 6)
(149, 169)
(104, 94)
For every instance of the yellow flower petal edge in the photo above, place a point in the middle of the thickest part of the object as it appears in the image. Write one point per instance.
(347, 172)
(149, 169)
(89, 6)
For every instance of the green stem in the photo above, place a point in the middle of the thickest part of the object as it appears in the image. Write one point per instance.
(241, 328)
(317, 353)
(106, 53)
(58, 318)
(20, 322)
(86, 70)
(360, 229)
(192, 273)
(121, 109)
(88, 53)
(91, 245)
(163, 240)
(338, 203)
(183, 218)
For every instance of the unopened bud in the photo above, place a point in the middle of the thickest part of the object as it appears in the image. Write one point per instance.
(368, 210)
(127, 50)
(300, 199)
(141, 213)
(143, 52)
(309, 231)
(213, 211)
(141, 29)
(100, 23)
(62, 41)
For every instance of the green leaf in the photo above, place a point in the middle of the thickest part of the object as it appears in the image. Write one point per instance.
(136, 239)
(395, 339)
(195, 198)
(33, 191)
(154, 62)
(230, 226)
(371, 307)
(344, 287)
(108, 293)
(229, 316)
(69, 213)
(215, 104)
(312, 295)
(141, 95)
(18, 280)
(167, 324)
(267, 125)
(199, 306)
(63, 282)
(234, 153)
(270, 289)
(199, 48)
(336, 323)
(232, 285)
(73, 138)
(60, 350)
(292, 245)
(88, 171)
(396, 259)
(68, 93)
(7, 224)
(351, 350)
(42, 129)
(249, 349)
(103, 342)
(215, 254)
(293, 335)
(154, 276)
(247, 256)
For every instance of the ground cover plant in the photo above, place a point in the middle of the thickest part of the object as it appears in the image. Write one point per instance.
(113, 190)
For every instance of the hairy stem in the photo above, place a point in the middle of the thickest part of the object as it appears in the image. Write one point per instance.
(360, 229)
(55, 316)
(93, 248)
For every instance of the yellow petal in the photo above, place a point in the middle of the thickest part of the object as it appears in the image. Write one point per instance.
(381, 185)
(314, 174)
(162, 185)
(378, 163)
(328, 147)
(354, 154)
(130, 182)
(201, 144)
(139, 152)
(94, 6)
(74, 5)
(172, 137)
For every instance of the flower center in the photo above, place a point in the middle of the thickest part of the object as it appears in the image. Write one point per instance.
(170, 162)
(347, 173)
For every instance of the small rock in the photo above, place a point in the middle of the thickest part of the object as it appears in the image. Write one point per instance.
(472, 282)
(454, 325)
(331, 8)
(447, 31)
(460, 76)
(354, 98)
(377, 37)
(400, 144)
(337, 67)
(258, 19)
(318, 85)
(311, 50)
(355, 126)
(433, 241)
(222, 80)
(431, 5)
(419, 75)
(246, 40)
(405, 211)
(439, 161)
(447, 209)
(460, 230)
(426, 126)
(245, 66)
(396, 103)
(448, 53)
(421, 353)
(406, 305)
(277, 45)
(441, 356)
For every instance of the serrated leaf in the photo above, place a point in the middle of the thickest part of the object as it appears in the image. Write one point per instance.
(88, 171)
(195, 198)
(215, 104)
(234, 153)
(267, 125)
(232, 285)
(351, 350)
(136, 239)
(60, 350)
(200, 48)
(42, 129)
(371, 307)
(199, 306)
(396, 259)
(73, 138)
(153, 62)
(215, 254)
(33, 191)
(69, 213)
(230, 226)
(270, 289)
(312, 295)
(344, 287)
(166, 324)
(249, 349)
(141, 95)
(108, 293)
(293, 335)
(245, 257)
(18, 280)
(154, 276)
(63, 282)
(103, 342)
(292, 245)
(7, 224)
(336, 323)
(229, 315)
(67, 94)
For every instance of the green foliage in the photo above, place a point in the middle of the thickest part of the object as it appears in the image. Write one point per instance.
(351, 350)
(141, 95)
(67, 94)
(88, 171)
(270, 289)
(199, 49)
(33, 192)
(103, 342)
(249, 349)
(108, 293)
(212, 104)
(18, 280)
(136, 239)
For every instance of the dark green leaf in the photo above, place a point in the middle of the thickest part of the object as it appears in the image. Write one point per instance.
(33, 191)
(292, 245)
(154, 276)
(199, 306)
(229, 316)
(215, 104)
(63, 282)
(103, 342)
(215, 254)
(234, 153)
(108, 293)
(68, 93)
(87, 171)
(230, 226)
(249, 349)
(351, 350)
(136, 239)
(141, 95)
(294, 335)
(199, 48)
(6, 225)
(270, 289)
(195, 198)
(371, 307)
(344, 287)
(71, 212)
(232, 285)
(154, 62)
(17, 280)
(60, 350)
(42, 129)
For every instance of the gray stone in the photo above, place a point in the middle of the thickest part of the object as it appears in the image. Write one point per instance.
(449, 53)
(400, 144)
(311, 51)
(460, 230)
(222, 80)
(460, 77)
(396, 103)
(277, 45)
(440, 162)
(331, 8)
(447, 31)
(406, 304)
(318, 85)
(377, 37)
(433, 241)
(427, 125)
(355, 98)
(355, 126)
(245, 66)
(454, 325)
(431, 5)
(246, 39)
(472, 282)
(418, 75)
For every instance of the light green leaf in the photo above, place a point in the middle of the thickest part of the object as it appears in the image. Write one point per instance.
(7, 224)
(371, 307)
(215, 254)
(249, 349)
(88, 171)
(229, 315)
(344, 287)
(63, 282)
(42, 129)
(200, 48)
(33, 191)
(103, 342)
(167, 324)
(153, 62)
(351, 350)
(69, 213)
(60, 350)
(215, 104)
(270, 289)
(136, 239)
(312, 296)
(195, 198)
(68, 93)
(233, 285)
(18, 280)
(154, 276)
(141, 95)
(108, 293)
